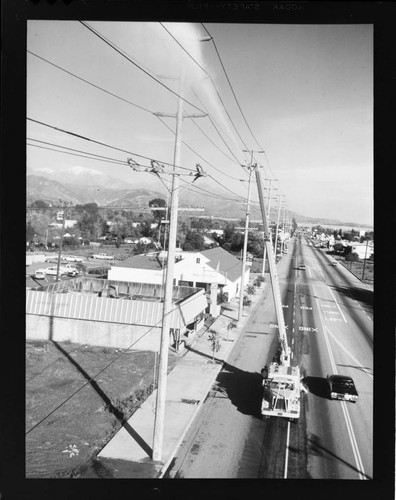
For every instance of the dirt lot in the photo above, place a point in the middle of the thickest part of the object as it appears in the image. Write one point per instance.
(66, 442)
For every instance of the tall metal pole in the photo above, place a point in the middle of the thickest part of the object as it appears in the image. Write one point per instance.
(251, 167)
(163, 361)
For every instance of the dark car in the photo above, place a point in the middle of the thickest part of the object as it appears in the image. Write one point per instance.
(342, 387)
(301, 267)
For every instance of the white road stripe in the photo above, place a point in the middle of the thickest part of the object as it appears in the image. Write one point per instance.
(287, 451)
(352, 438)
(337, 305)
(349, 354)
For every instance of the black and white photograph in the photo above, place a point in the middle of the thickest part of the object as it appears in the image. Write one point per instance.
(199, 290)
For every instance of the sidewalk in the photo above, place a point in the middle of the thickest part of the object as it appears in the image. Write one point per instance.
(187, 387)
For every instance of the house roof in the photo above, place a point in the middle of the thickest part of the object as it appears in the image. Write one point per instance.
(141, 262)
(227, 262)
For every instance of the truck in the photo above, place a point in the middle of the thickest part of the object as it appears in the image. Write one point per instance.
(281, 392)
(281, 385)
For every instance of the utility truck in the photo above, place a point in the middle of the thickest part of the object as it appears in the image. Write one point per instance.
(281, 382)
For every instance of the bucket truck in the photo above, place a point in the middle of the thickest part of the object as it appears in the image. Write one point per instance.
(281, 382)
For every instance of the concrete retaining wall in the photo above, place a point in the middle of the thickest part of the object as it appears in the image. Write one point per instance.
(92, 332)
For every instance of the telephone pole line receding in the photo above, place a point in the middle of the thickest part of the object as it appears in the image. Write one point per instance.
(251, 168)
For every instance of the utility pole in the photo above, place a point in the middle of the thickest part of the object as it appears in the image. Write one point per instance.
(268, 219)
(163, 359)
(251, 167)
(159, 420)
(60, 241)
(365, 258)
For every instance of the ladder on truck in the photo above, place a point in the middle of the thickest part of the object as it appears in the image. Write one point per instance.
(285, 349)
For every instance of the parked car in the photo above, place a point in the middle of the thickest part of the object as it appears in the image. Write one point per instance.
(342, 387)
(54, 259)
(103, 256)
(39, 274)
(73, 258)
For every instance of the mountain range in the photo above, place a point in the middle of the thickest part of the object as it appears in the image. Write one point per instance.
(80, 185)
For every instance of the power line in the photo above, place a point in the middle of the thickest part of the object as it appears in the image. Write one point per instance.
(104, 144)
(218, 94)
(128, 102)
(137, 65)
(195, 152)
(116, 162)
(90, 83)
(231, 87)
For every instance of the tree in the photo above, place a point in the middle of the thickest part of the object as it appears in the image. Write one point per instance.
(352, 257)
(39, 204)
(193, 241)
(214, 339)
(158, 214)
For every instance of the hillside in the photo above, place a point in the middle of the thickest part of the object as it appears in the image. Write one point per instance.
(76, 191)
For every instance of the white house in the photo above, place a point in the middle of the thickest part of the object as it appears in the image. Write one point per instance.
(363, 250)
(201, 269)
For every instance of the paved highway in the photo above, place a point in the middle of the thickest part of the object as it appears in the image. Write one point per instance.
(328, 316)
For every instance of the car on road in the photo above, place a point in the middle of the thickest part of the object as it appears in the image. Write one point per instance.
(342, 387)
(301, 267)
(334, 262)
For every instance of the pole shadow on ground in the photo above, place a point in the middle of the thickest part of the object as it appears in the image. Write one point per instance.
(119, 415)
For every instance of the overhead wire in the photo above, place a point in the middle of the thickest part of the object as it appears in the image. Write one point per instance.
(137, 106)
(218, 94)
(231, 87)
(108, 42)
(104, 144)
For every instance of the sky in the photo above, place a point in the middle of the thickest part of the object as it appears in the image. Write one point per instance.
(301, 93)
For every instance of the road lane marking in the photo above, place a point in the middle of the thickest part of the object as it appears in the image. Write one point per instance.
(287, 449)
(351, 434)
(352, 438)
(337, 305)
(349, 354)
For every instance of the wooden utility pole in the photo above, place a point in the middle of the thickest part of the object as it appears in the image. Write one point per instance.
(159, 420)
(164, 346)
(60, 242)
(365, 258)
(245, 240)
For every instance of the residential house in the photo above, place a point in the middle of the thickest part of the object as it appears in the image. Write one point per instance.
(202, 269)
